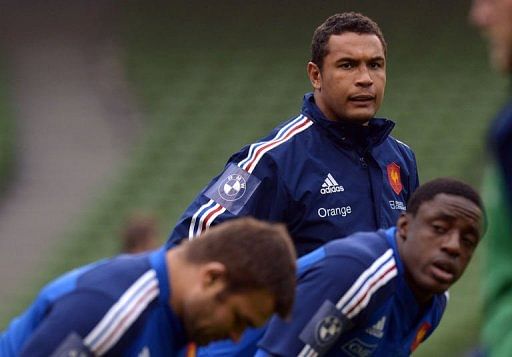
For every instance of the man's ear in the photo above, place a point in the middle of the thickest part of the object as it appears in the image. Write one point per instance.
(315, 76)
(402, 225)
(212, 274)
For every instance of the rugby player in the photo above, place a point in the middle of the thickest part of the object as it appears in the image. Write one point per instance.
(153, 304)
(382, 293)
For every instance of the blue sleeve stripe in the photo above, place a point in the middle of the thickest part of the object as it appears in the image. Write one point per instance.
(377, 275)
(123, 313)
(278, 136)
(207, 214)
(309, 259)
(192, 228)
(302, 123)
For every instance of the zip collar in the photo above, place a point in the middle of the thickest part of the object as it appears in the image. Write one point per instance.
(347, 134)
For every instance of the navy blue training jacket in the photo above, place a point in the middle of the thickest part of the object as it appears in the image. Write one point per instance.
(114, 307)
(369, 310)
(323, 179)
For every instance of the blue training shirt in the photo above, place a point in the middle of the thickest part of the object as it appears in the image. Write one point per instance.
(113, 307)
(324, 179)
(352, 300)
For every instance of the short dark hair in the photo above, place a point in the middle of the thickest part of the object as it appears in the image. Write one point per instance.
(256, 254)
(450, 186)
(338, 24)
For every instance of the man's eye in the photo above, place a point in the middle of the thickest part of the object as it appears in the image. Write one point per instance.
(346, 65)
(375, 65)
(439, 229)
(468, 242)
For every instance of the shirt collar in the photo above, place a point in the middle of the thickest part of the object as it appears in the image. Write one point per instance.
(347, 133)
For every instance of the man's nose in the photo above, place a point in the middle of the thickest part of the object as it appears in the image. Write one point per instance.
(363, 77)
(451, 243)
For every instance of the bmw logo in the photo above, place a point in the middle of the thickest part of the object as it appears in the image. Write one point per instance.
(232, 188)
(328, 330)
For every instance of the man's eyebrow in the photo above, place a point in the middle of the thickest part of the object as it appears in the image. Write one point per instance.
(473, 229)
(354, 59)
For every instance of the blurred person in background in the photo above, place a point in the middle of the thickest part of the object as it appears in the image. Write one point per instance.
(494, 19)
(153, 304)
(330, 171)
(139, 233)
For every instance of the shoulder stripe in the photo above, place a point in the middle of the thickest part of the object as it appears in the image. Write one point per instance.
(364, 276)
(123, 313)
(380, 280)
(208, 217)
(256, 151)
(359, 294)
(192, 227)
(401, 142)
(207, 213)
(279, 134)
(307, 351)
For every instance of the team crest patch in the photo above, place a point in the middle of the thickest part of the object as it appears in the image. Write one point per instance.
(324, 328)
(233, 188)
(394, 177)
(420, 335)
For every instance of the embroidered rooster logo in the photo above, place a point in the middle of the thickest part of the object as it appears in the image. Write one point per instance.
(394, 177)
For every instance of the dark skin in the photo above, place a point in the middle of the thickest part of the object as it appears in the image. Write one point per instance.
(350, 86)
(437, 243)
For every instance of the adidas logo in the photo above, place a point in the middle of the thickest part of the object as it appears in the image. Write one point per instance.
(377, 330)
(330, 186)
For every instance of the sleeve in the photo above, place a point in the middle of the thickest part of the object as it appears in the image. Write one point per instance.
(318, 319)
(235, 192)
(414, 180)
(68, 321)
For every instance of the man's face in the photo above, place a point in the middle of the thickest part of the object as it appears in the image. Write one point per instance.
(438, 242)
(218, 315)
(351, 84)
(494, 19)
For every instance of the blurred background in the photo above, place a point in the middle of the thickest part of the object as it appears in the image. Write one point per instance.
(109, 108)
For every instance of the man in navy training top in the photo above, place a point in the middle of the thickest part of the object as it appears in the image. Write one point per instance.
(382, 293)
(333, 169)
(241, 273)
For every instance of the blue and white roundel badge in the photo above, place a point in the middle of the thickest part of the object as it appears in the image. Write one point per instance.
(232, 188)
(328, 330)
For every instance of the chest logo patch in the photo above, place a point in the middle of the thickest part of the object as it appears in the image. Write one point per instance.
(420, 335)
(394, 179)
(330, 185)
(377, 329)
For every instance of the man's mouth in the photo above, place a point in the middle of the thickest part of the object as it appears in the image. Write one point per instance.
(444, 271)
(362, 98)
